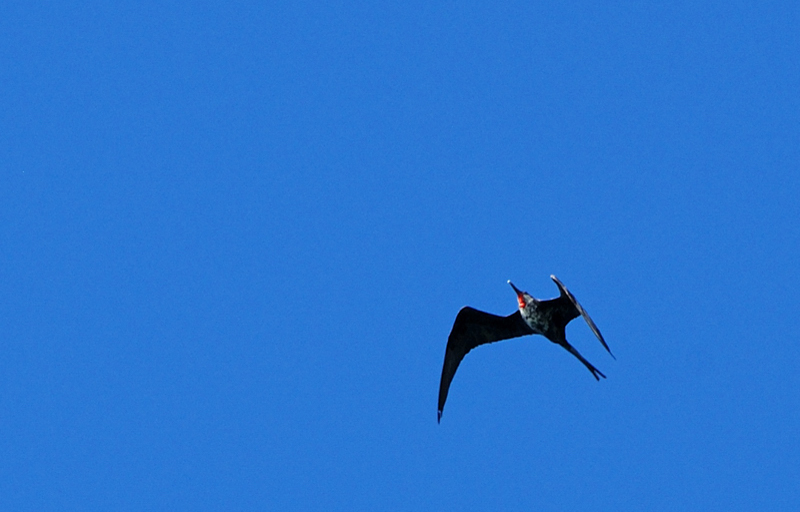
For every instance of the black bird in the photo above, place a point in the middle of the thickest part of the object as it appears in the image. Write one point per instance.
(546, 317)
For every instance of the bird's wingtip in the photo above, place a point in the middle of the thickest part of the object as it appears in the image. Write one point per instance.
(438, 416)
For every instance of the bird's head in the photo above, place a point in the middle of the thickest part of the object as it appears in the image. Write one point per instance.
(523, 298)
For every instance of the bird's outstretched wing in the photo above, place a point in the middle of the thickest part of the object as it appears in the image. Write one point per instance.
(471, 329)
(566, 293)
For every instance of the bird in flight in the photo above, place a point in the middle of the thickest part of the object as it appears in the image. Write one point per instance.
(549, 318)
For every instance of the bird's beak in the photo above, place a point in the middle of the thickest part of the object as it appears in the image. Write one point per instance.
(520, 296)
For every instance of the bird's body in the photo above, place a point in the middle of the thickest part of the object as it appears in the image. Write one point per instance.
(549, 318)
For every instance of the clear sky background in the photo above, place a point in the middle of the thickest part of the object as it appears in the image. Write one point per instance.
(234, 238)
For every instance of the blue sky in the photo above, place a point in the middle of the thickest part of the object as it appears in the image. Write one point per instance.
(234, 238)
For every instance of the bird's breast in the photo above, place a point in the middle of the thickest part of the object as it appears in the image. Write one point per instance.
(535, 319)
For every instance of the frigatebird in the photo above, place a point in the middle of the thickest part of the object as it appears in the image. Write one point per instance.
(549, 318)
